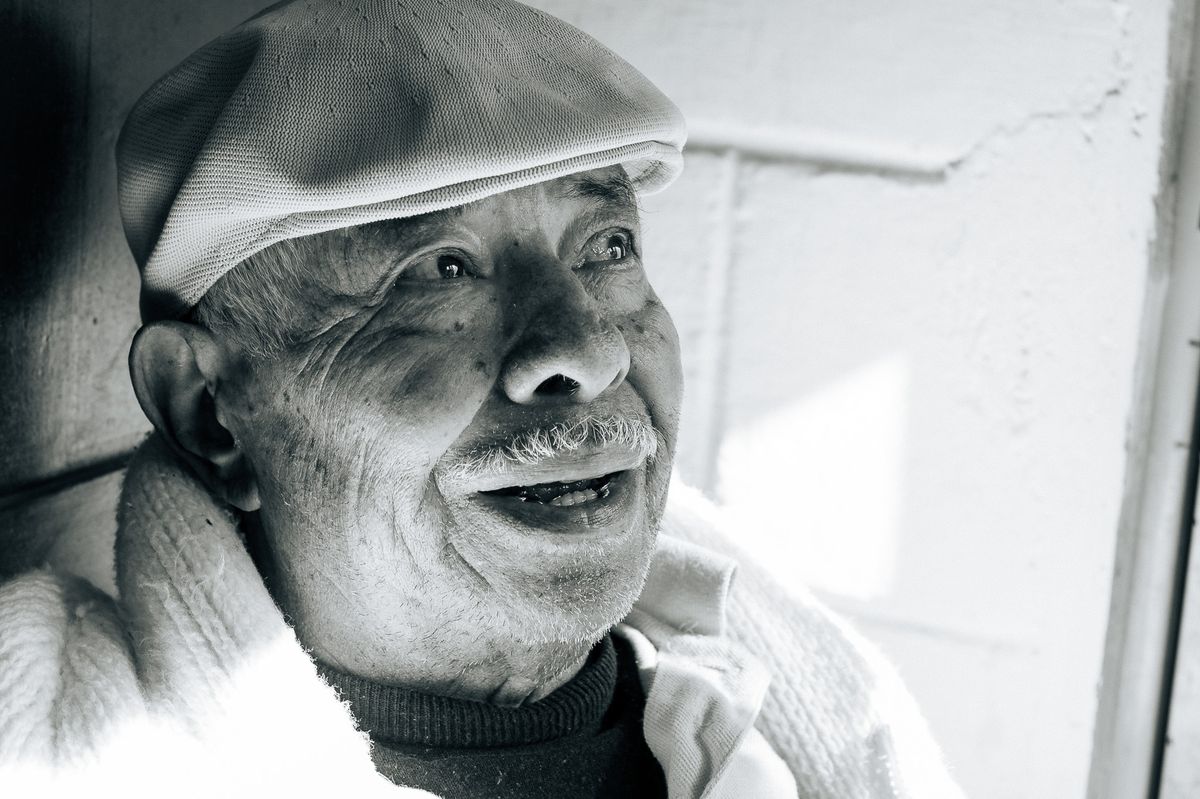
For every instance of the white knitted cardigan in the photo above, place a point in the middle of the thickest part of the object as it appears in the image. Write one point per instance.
(193, 684)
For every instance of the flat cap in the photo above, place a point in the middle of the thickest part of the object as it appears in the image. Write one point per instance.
(322, 114)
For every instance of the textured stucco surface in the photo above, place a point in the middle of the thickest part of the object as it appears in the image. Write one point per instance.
(907, 261)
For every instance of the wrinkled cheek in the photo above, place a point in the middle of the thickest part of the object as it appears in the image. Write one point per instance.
(434, 399)
(655, 368)
(282, 444)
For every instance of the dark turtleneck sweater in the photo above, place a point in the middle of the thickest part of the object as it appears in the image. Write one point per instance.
(583, 740)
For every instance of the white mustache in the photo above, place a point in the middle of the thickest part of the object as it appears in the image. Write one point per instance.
(531, 447)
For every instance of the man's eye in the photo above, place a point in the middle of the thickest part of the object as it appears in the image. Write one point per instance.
(436, 267)
(610, 246)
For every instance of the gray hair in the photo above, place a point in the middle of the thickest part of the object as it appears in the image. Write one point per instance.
(249, 303)
(530, 447)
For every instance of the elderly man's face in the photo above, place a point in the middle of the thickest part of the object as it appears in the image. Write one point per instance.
(455, 445)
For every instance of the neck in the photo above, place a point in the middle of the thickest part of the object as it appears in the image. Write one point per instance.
(398, 716)
(515, 676)
(508, 676)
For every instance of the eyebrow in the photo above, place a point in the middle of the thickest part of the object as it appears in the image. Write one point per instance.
(613, 190)
(414, 225)
(404, 229)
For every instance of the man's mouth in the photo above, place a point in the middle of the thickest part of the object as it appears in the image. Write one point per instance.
(561, 494)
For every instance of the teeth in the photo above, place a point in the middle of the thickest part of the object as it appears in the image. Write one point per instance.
(575, 497)
(567, 498)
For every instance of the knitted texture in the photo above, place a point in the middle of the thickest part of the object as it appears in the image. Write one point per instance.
(836, 710)
(191, 684)
(63, 654)
(321, 114)
(397, 715)
(705, 688)
(585, 740)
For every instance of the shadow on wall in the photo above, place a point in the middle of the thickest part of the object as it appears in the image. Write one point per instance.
(44, 58)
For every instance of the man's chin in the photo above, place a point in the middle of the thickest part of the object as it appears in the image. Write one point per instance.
(563, 573)
(580, 604)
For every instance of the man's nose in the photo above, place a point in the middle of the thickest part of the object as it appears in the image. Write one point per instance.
(568, 351)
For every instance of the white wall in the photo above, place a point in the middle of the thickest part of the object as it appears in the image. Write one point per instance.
(922, 234)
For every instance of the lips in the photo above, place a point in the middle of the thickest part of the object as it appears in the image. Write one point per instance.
(560, 493)
(580, 482)
(565, 508)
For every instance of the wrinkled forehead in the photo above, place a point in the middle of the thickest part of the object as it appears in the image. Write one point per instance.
(607, 189)
(317, 274)
(552, 205)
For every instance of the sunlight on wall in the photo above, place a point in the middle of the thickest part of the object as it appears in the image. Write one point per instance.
(836, 456)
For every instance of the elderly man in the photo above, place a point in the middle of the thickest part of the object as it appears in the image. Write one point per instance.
(415, 404)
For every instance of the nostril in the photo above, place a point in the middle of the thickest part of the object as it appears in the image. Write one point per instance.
(557, 385)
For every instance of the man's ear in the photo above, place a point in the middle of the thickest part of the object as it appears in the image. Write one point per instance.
(177, 370)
